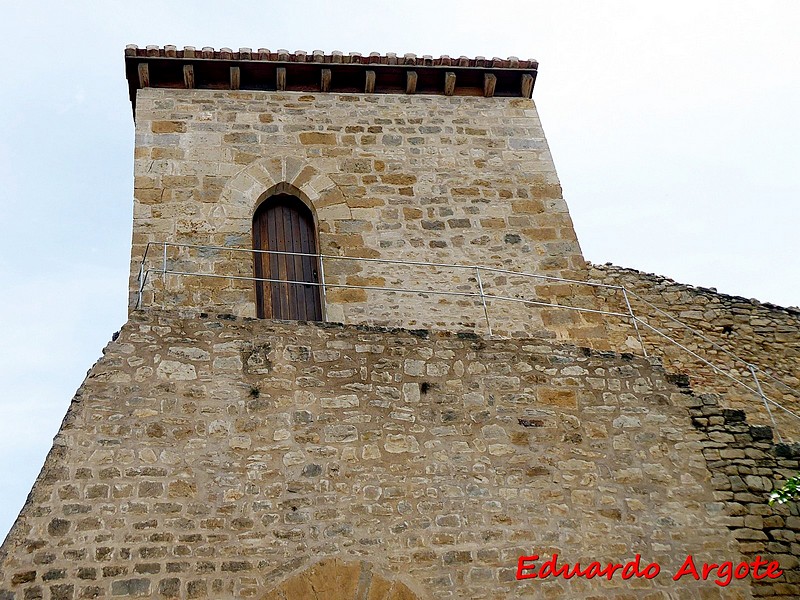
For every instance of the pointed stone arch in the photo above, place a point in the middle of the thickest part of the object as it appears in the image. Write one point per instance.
(283, 174)
(288, 189)
(335, 579)
(312, 180)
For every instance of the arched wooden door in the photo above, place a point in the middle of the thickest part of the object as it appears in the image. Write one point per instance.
(284, 224)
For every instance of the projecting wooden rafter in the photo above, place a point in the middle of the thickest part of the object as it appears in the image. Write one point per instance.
(300, 71)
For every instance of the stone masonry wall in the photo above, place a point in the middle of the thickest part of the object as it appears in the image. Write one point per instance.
(456, 180)
(223, 457)
(764, 335)
(746, 466)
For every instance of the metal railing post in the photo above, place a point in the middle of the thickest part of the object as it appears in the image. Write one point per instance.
(633, 320)
(141, 284)
(485, 295)
(163, 273)
(483, 299)
(322, 282)
(764, 398)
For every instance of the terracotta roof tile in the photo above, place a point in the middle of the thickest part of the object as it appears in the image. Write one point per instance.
(318, 56)
(316, 71)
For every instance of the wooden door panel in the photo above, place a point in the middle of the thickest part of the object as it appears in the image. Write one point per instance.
(310, 293)
(284, 224)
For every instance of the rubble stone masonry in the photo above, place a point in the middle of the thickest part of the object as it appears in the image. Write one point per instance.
(456, 180)
(764, 335)
(396, 450)
(221, 457)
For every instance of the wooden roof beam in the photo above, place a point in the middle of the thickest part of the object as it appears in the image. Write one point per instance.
(527, 85)
(489, 83)
(188, 76)
(144, 75)
(449, 83)
(267, 69)
(411, 81)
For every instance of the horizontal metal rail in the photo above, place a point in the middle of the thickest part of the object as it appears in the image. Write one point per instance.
(389, 289)
(714, 344)
(715, 368)
(482, 296)
(386, 261)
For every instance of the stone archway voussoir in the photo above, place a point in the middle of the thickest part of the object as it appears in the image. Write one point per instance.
(334, 579)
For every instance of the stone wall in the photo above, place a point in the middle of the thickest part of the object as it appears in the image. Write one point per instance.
(224, 457)
(746, 465)
(436, 179)
(764, 335)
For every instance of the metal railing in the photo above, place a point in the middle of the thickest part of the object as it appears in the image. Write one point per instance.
(638, 323)
(753, 369)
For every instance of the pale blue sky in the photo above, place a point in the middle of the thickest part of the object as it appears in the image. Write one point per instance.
(673, 126)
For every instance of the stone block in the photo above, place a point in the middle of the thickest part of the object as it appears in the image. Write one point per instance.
(317, 137)
(168, 126)
(137, 588)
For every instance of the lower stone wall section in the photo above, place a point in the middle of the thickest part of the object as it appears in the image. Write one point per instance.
(746, 466)
(214, 457)
(765, 335)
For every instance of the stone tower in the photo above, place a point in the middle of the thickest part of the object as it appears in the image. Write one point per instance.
(345, 375)
(395, 159)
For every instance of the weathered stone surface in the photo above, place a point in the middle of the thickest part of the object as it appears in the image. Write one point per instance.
(760, 528)
(209, 455)
(451, 476)
(764, 335)
(460, 180)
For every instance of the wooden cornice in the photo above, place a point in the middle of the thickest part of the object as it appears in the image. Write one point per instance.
(337, 72)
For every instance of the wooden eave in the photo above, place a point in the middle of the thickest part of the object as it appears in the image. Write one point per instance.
(209, 69)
